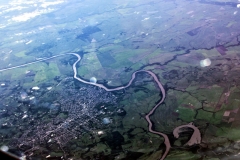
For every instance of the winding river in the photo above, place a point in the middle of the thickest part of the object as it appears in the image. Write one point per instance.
(147, 117)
